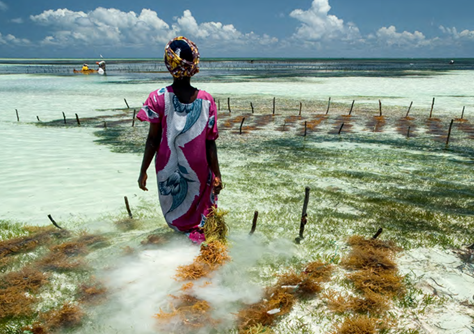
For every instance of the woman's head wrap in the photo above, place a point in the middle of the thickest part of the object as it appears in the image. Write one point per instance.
(181, 57)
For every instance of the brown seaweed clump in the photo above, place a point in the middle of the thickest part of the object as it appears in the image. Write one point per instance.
(360, 324)
(372, 303)
(188, 313)
(374, 265)
(192, 271)
(375, 276)
(17, 292)
(39, 236)
(280, 298)
(153, 239)
(92, 293)
(212, 255)
(215, 227)
(67, 317)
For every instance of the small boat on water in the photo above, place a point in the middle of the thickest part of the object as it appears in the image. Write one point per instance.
(88, 71)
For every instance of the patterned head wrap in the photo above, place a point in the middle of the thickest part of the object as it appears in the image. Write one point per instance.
(181, 57)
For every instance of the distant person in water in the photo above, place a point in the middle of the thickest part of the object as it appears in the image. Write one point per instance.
(85, 67)
(182, 134)
(101, 69)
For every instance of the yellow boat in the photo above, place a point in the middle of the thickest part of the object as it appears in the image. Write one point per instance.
(89, 71)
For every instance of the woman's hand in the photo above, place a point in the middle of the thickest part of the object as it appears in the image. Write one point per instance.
(217, 185)
(142, 181)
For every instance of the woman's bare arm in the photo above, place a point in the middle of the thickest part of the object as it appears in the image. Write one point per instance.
(213, 161)
(151, 147)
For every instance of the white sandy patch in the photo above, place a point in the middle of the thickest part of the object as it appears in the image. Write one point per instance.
(62, 172)
(442, 273)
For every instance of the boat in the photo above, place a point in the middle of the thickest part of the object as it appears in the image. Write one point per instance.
(89, 71)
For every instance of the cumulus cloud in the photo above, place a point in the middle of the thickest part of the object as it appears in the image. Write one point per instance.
(3, 6)
(391, 37)
(317, 24)
(109, 26)
(453, 33)
(103, 26)
(9, 39)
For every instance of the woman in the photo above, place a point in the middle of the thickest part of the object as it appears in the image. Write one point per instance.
(182, 134)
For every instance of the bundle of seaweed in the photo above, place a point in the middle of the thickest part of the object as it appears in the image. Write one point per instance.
(361, 324)
(188, 313)
(56, 261)
(372, 303)
(17, 292)
(215, 227)
(38, 237)
(93, 293)
(375, 276)
(375, 268)
(126, 224)
(384, 282)
(92, 241)
(279, 299)
(153, 239)
(192, 271)
(66, 256)
(67, 317)
(212, 255)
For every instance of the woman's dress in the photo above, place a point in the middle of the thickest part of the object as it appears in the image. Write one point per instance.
(183, 173)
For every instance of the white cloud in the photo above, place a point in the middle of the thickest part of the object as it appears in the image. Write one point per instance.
(453, 32)
(114, 27)
(317, 24)
(17, 20)
(389, 36)
(12, 40)
(3, 6)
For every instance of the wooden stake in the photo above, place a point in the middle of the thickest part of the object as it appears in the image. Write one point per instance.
(380, 108)
(64, 116)
(379, 232)
(340, 129)
(408, 111)
(219, 105)
(37, 117)
(462, 114)
(77, 119)
(329, 104)
(304, 135)
(352, 106)
(126, 103)
(304, 216)
(241, 123)
(17, 116)
(273, 106)
(251, 106)
(254, 222)
(105, 125)
(301, 106)
(449, 132)
(432, 105)
(54, 223)
(228, 103)
(128, 207)
(133, 118)
(408, 132)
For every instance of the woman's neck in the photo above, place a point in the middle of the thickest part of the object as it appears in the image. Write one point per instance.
(183, 90)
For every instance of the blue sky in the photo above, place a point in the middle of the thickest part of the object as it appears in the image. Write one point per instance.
(238, 28)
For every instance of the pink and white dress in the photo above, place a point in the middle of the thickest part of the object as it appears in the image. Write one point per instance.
(183, 173)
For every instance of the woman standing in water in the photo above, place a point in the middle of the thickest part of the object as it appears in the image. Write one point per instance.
(182, 134)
